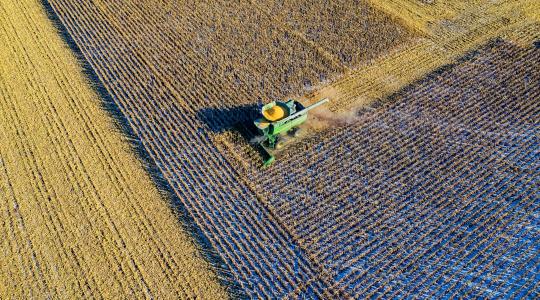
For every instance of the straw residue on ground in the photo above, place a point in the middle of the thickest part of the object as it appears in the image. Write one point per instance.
(433, 194)
(79, 217)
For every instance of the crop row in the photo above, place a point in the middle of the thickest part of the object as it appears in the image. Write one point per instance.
(180, 73)
(351, 31)
(423, 14)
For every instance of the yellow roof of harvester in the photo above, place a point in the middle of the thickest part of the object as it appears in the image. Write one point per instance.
(275, 113)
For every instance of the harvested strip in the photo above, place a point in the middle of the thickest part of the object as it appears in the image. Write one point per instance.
(421, 14)
(80, 218)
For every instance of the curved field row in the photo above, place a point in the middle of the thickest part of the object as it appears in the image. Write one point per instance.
(434, 194)
(78, 211)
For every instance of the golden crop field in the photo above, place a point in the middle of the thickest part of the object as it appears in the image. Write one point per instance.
(418, 181)
(79, 217)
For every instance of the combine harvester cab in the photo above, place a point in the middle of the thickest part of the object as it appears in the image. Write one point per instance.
(277, 120)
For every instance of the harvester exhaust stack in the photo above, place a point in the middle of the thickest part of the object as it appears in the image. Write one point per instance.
(279, 119)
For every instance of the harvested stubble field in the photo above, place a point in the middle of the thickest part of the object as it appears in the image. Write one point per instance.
(447, 200)
(79, 217)
(380, 203)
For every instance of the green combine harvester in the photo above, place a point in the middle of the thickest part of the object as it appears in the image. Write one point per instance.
(278, 120)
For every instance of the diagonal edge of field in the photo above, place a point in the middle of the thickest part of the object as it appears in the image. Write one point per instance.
(122, 125)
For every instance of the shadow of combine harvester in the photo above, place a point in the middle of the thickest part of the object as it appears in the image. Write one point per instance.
(239, 121)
